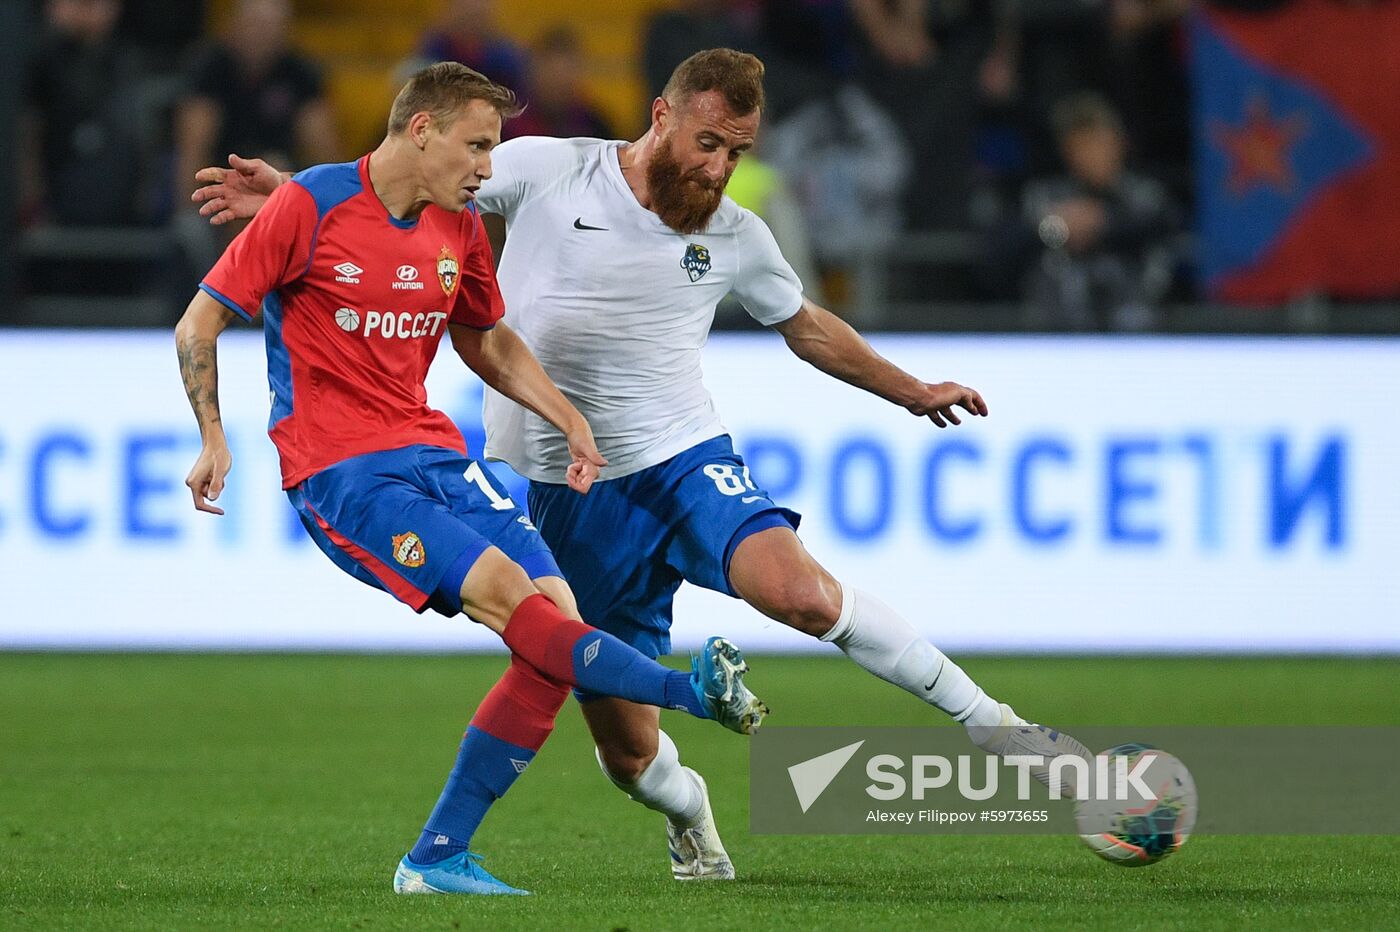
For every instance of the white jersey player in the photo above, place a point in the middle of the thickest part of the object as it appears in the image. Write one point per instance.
(619, 304)
(615, 257)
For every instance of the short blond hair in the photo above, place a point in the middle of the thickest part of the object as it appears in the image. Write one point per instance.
(442, 90)
(738, 76)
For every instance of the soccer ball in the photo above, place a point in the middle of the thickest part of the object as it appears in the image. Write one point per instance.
(1126, 826)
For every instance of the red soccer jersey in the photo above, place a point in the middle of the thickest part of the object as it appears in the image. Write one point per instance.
(354, 304)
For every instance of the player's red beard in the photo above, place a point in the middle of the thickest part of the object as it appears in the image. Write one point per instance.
(685, 202)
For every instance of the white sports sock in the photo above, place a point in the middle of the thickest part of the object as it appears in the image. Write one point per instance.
(880, 640)
(664, 785)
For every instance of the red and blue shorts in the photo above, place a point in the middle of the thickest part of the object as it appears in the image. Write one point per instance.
(413, 521)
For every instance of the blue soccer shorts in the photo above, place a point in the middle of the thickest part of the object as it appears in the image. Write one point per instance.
(412, 522)
(626, 546)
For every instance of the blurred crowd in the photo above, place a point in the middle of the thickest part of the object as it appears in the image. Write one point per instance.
(1053, 135)
(1012, 120)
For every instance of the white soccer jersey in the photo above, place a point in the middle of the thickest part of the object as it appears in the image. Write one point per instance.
(616, 305)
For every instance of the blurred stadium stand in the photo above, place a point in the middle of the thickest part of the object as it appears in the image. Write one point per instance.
(362, 43)
(13, 33)
(925, 279)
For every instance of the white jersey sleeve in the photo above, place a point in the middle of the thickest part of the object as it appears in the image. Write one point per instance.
(765, 284)
(525, 167)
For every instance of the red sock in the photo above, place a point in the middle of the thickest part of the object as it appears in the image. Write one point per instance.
(544, 638)
(522, 706)
(572, 652)
(509, 726)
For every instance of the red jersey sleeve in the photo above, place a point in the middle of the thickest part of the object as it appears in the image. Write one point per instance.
(478, 303)
(272, 251)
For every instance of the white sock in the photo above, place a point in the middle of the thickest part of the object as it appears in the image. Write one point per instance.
(876, 637)
(664, 785)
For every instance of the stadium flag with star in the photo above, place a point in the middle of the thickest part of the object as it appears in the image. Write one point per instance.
(1297, 129)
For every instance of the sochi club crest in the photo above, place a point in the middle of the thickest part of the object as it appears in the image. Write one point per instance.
(449, 270)
(408, 550)
(696, 261)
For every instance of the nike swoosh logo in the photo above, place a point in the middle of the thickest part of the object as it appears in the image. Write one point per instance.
(929, 687)
(580, 225)
(750, 499)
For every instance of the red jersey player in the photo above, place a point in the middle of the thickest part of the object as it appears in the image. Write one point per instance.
(360, 269)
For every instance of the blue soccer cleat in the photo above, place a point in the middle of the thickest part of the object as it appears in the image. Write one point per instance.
(461, 873)
(717, 677)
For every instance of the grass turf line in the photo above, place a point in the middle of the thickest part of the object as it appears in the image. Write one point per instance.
(226, 791)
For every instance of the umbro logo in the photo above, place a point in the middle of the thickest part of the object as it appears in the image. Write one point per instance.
(590, 653)
(349, 273)
(519, 765)
(580, 225)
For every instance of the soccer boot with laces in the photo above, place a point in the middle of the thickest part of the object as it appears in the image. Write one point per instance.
(696, 851)
(717, 676)
(1016, 736)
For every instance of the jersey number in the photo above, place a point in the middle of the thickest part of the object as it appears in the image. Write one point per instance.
(475, 476)
(729, 480)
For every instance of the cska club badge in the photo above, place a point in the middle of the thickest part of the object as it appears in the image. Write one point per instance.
(448, 271)
(408, 550)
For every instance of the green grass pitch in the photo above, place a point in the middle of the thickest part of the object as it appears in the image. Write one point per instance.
(214, 792)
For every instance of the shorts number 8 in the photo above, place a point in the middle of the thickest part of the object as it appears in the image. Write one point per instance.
(730, 481)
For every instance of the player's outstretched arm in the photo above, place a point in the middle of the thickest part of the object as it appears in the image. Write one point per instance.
(236, 192)
(195, 337)
(505, 363)
(826, 341)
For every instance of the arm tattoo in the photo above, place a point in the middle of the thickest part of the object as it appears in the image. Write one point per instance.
(200, 369)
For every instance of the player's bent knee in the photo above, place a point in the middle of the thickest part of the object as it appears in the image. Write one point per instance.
(811, 604)
(626, 762)
(773, 572)
(560, 594)
(493, 588)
